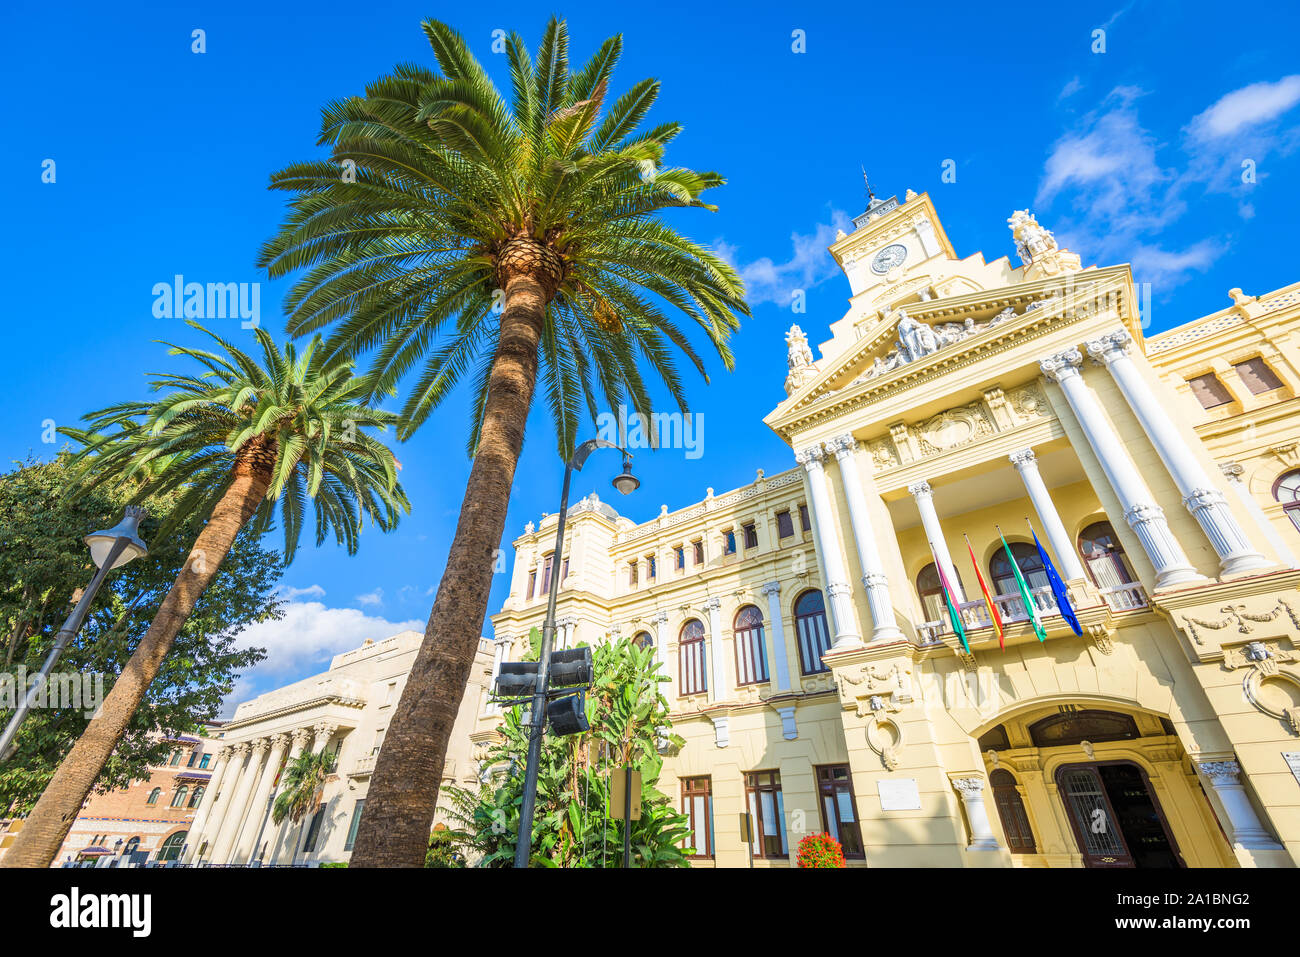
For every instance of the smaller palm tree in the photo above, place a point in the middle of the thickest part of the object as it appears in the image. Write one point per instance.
(301, 784)
(235, 443)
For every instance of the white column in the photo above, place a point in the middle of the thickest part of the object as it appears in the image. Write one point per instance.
(246, 845)
(776, 636)
(1026, 464)
(1200, 495)
(299, 737)
(196, 835)
(1232, 472)
(1247, 831)
(924, 496)
(884, 626)
(244, 782)
(660, 621)
(839, 593)
(971, 790)
(719, 687)
(324, 732)
(500, 648)
(1145, 517)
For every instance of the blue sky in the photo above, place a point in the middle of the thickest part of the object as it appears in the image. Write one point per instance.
(1143, 152)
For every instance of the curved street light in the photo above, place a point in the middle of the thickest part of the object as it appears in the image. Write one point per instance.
(626, 483)
(110, 548)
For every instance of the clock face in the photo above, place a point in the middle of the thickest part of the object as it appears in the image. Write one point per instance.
(888, 258)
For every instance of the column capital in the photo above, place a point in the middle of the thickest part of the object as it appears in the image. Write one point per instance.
(659, 618)
(1110, 347)
(324, 731)
(842, 446)
(811, 457)
(240, 748)
(1203, 498)
(712, 604)
(1232, 471)
(1220, 773)
(225, 751)
(968, 786)
(280, 739)
(920, 490)
(770, 589)
(301, 736)
(1062, 365)
(1024, 459)
(839, 588)
(261, 746)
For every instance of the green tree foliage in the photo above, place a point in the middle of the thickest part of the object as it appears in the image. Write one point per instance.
(43, 563)
(571, 827)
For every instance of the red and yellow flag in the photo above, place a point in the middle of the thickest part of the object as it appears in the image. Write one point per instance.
(988, 599)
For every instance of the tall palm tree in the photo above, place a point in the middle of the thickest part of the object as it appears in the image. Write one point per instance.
(236, 441)
(301, 784)
(453, 231)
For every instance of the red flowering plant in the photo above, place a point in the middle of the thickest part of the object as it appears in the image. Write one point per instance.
(820, 850)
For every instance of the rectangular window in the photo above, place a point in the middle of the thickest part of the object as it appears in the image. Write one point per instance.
(313, 830)
(680, 553)
(784, 526)
(391, 694)
(767, 812)
(546, 573)
(194, 756)
(379, 740)
(751, 536)
(839, 809)
(729, 542)
(1209, 391)
(631, 574)
(691, 666)
(203, 761)
(564, 571)
(697, 805)
(1257, 375)
(698, 548)
(803, 518)
(532, 583)
(176, 759)
(356, 820)
(650, 568)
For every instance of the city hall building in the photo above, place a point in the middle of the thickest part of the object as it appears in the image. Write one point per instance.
(815, 672)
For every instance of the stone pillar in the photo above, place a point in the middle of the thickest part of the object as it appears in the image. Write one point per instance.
(1243, 823)
(884, 626)
(839, 593)
(204, 813)
(660, 622)
(776, 636)
(233, 822)
(1232, 473)
(324, 731)
(1200, 495)
(718, 684)
(971, 790)
(299, 738)
(246, 845)
(924, 496)
(1026, 464)
(1145, 517)
(500, 649)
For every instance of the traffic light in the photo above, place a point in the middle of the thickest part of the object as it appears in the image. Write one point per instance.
(568, 715)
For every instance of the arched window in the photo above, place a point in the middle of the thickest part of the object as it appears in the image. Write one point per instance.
(154, 795)
(1031, 567)
(197, 796)
(171, 848)
(1104, 557)
(132, 846)
(810, 627)
(643, 640)
(751, 654)
(1287, 491)
(1011, 811)
(692, 669)
(930, 590)
(178, 799)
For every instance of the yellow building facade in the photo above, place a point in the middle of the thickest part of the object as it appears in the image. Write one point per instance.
(816, 676)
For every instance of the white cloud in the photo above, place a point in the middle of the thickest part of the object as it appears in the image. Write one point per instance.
(1249, 106)
(1164, 268)
(809, 263)
(1072, 87)
(375, 597)
(311, 591)
(303, 641)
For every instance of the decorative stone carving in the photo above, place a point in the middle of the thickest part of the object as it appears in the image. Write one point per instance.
(1270, 689)
(1242, 617)
(1028, 403)
(1101, 637)
(1038, 249)
(872, 689)
(882, 454)
(952, 428)
(799, 359)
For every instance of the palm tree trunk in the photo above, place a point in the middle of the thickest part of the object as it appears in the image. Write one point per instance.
(47, 826)
(394, 830)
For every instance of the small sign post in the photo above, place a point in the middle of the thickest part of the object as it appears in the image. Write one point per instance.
(625, 804)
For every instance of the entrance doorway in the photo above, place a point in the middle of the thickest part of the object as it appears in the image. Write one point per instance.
(1116, 817)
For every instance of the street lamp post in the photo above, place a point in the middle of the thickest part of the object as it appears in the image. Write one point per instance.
(109, 549)
(626, 483)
